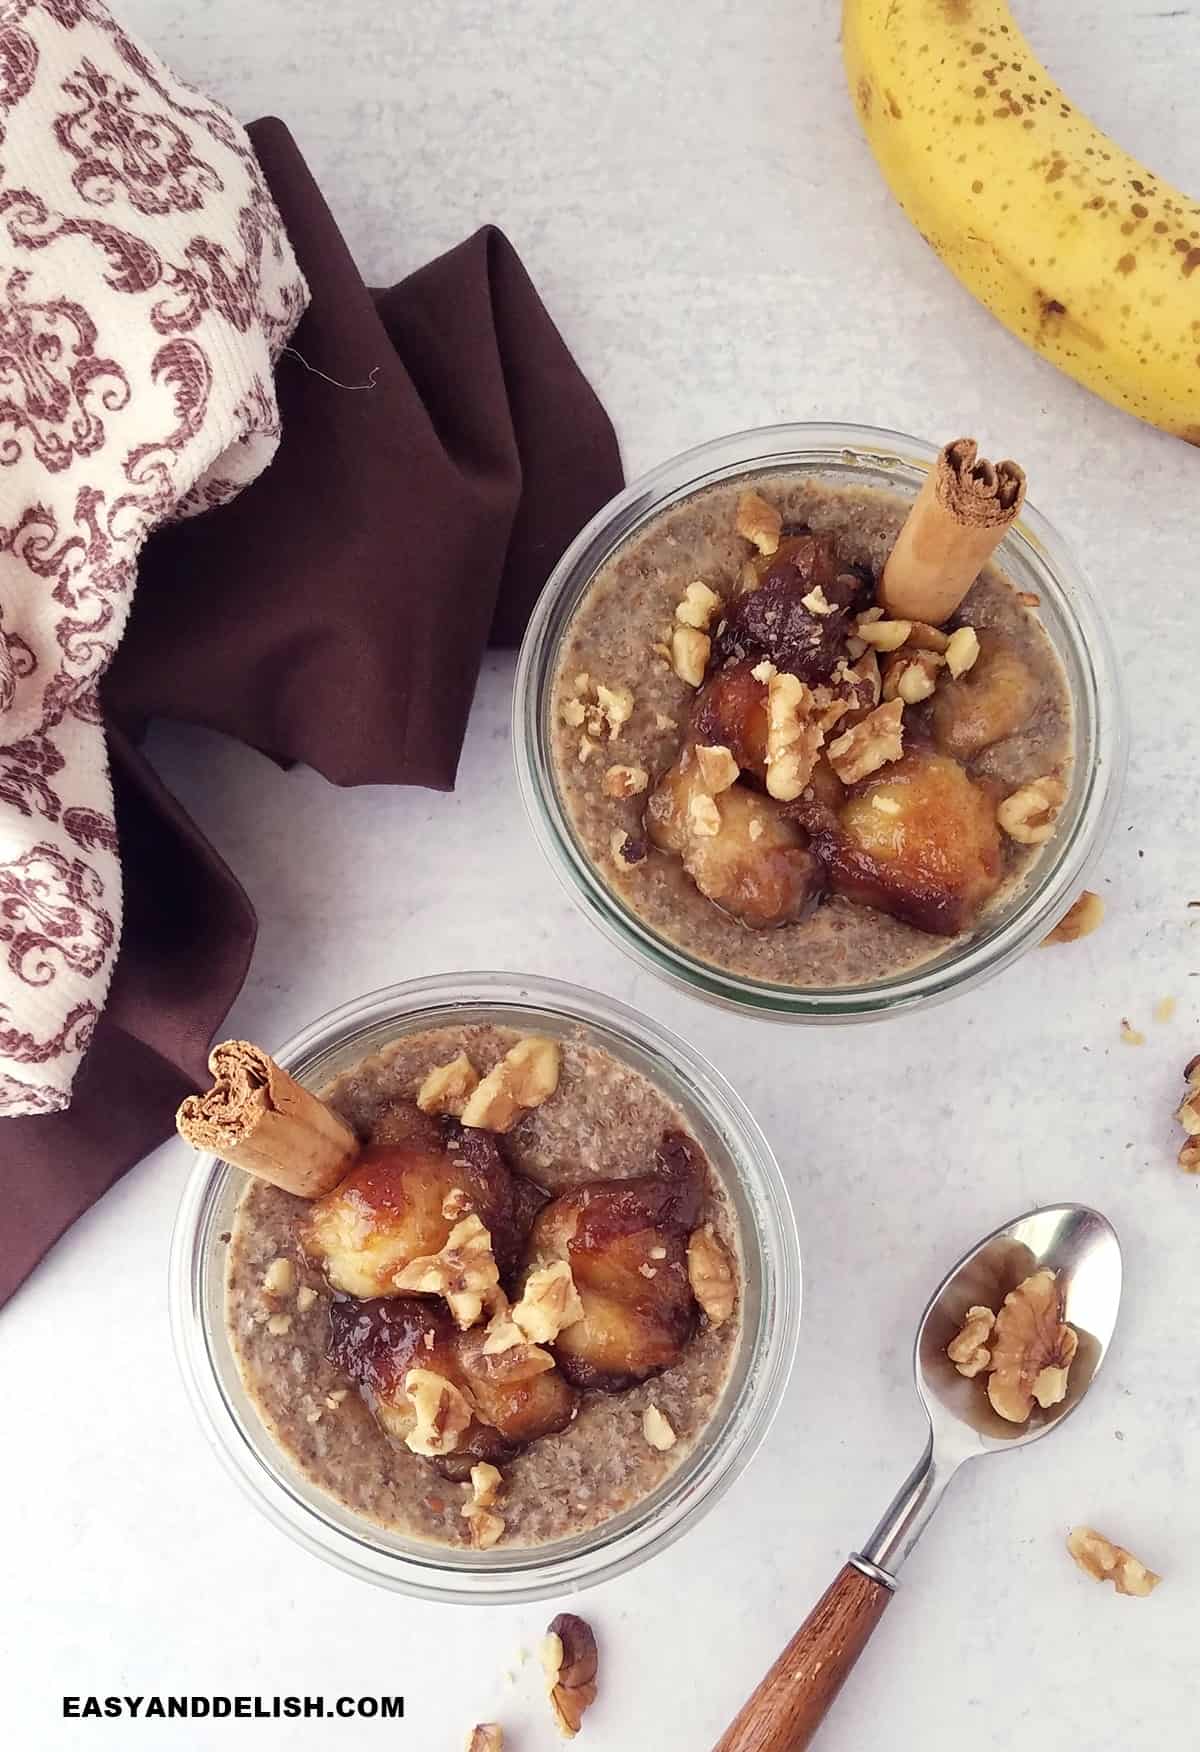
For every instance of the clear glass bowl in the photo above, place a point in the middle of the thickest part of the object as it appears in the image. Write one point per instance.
(770, 1300)
(1033, 556)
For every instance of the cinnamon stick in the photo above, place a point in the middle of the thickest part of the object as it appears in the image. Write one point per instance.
(262, 1120)
(962, 513)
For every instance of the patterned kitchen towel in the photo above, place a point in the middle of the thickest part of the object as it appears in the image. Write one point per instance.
(146, 289)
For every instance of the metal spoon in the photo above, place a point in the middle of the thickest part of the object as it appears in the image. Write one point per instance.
(1080, 1245)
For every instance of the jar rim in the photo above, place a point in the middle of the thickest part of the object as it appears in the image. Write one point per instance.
(843, 450)
(260, 1466)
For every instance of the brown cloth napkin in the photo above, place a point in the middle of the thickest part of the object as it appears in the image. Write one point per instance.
(334, 613)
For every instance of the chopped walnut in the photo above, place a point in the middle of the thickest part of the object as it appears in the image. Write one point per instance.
(279, 1325)
(885, 635)
(524, 1078)
(764, 671)
(657, 1429)
(587, 748)
(758, 521)
(816, 602)
(464, 1272)
(616, 708)
(1188, 1116)
(573, 713)
(486, 1737)
(305, 1298)
(968, 1351)
(1131, 1036)
(486, 1527)
(923, 637)
(455, 1205)
(442, 1413)
(485, 1483)
(1099, 1558)
(704, 818)
(718, 768)
(794, 736)
(447, 1087)
(279, 1278)
(689, 654)
(1028, 816)
(549, 1302)
(662, 722)
(569, 1658)
(624, 781)
(911, 676)
(698, 607)
(710, 1274)
(878, 739)
(1032, 1349)
(1080, 920)
(962, 651)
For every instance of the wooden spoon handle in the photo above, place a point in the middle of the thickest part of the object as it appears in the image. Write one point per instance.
(788, 1707)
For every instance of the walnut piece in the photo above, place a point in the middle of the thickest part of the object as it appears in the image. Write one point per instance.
(1080, 920)
(884, 635)
(704, 818)
(1099, 1558)
(797, 718)
(878, 739)
(1188, 1116)
(1028, 816)
(464, 1272)
(923, 637)
(911, 676)
(962, 649)
(524, 1078)
(624, 781)
(1032, 1349)
(627, 852)
(968, 1351)
(506, 1353)
(279, 1278)
(486, 1527)
(447, 1087)
(279, 1325)
(657, 1430)
(569, 1658)
(718, 768)
(698, 607)
(305, 1297)
(758, 521)
(616, 708)
(549, 1302)
(442, 1413)
(1131, 1036)
(710, 1274)
(690, 652)
(486, 1737)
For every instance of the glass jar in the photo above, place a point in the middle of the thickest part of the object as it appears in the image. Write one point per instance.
(770, 1300)
(1034, 558)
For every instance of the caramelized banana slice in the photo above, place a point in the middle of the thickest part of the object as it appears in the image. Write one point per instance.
(626, 1243)
(394, 1206)
(992, 700)
(377, 1343)
(739, 849)
(731, 710)
(917, 840)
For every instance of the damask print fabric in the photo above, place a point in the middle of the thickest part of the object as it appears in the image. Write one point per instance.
(146, 289)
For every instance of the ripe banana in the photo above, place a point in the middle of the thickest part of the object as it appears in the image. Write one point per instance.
(1076, 247)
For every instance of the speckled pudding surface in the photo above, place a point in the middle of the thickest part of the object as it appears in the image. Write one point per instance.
(603, 1122)
(626, 610)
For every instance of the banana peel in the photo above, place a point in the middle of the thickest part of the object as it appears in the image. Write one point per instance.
(1083, 252)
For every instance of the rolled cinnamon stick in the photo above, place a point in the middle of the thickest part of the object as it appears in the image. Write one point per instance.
(962, 513)
(262, 1120)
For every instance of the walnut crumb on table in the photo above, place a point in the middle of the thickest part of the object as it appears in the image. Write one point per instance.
(1083, 917)
(1099, 1558)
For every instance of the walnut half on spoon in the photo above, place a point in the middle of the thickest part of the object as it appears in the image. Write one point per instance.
(1080, 1248)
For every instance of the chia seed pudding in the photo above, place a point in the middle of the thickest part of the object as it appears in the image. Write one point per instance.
(602, 1123)
(619, 638)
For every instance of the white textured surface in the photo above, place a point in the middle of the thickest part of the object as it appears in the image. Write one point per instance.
(689, 191)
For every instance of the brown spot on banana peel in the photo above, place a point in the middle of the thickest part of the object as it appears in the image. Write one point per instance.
(1127, 264)
(863, 95)
(1053, 317)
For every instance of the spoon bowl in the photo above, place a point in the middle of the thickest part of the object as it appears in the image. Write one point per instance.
(1073, 1241)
